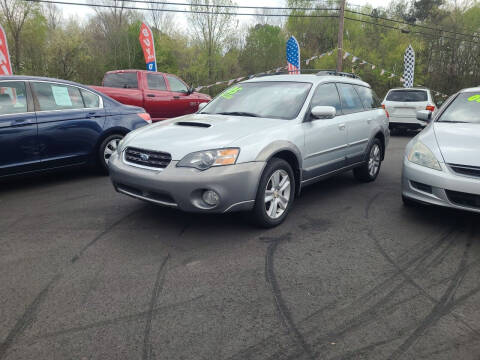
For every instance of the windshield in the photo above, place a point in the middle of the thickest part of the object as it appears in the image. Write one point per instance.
(464, 109)
(407, 95)
(275, 99)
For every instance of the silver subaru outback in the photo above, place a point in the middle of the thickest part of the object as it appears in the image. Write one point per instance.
(256, 145)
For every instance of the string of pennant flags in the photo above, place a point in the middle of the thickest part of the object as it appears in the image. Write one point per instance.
(346, 55)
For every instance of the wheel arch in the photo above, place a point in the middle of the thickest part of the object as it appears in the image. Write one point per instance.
(290, 153)
(381, 136)
(111, 131)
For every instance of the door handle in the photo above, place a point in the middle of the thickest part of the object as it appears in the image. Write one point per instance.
(23, 121)
(92, 115)
(176, 97)
(341, 126)
(150, 95)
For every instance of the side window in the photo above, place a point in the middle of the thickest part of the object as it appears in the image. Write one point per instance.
(156, 82)
(123, 80)
(176, 85)
(327, 95)
(51, 96)
(369, 98)
(90, 99)
(351, 102)
(13, 98)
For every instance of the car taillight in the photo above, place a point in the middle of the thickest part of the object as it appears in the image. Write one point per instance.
(386, 112)
(430, 108)
(146, 117)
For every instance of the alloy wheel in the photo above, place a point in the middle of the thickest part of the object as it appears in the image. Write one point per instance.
(110, 148)
(374, 160)
(277, 194)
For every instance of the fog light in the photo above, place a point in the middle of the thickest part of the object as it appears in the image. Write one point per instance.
(210, 197)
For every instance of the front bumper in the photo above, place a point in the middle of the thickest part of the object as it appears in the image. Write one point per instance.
(443, 188)
(182, 188)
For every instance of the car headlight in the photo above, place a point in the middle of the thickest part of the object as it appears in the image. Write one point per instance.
(203, 160)
(420, 154)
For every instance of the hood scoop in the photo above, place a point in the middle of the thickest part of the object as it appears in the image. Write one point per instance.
(193, 124)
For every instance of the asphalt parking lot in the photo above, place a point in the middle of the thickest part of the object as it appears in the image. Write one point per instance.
(86, 273)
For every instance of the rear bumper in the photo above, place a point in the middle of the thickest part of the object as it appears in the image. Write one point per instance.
(443, 188)
(406, 122)
(182, 188)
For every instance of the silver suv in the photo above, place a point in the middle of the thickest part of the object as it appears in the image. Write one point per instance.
(256, 145)
(402, 105)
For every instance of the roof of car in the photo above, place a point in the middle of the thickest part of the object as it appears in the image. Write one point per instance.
(37, 78)
(311, 78)
(472, 89)
(411, 88)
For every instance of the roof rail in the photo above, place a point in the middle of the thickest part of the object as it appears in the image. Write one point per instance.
(337, 73)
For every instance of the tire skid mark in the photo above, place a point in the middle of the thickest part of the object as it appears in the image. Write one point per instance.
(370, 203)
(117, 320)
(420, 257)
(423, 268)
(27, 318)
(444, 306)
(29, 314)
(381, 306)
(99, 236)
(280, 305)
(157, 288)
(370, 315)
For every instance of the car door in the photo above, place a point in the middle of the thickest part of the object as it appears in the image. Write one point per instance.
(158, 100)
(18, 129)
(183, 102)
(325, 139)
(357, 122)
(68, 130)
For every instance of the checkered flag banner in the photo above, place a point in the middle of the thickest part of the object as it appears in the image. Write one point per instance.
(409, 70)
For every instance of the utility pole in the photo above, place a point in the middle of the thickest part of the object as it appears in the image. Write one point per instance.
(341, 21)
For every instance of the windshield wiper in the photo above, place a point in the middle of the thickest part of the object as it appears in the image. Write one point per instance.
(239, 113)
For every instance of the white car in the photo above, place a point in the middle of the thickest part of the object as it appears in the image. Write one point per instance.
(255, 146)
(402, 105)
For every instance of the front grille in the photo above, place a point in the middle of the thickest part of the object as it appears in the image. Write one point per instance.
(152, 159)
(464, 199)
(466, 170)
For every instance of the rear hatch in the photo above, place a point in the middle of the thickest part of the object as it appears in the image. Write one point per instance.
(406, 103)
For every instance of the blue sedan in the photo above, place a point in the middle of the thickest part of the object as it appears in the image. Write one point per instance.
(49, 123)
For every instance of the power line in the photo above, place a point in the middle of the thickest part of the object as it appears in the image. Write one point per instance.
(242, 14)
(182, 11)
(413, 32)
(416, 25)
(224, 6)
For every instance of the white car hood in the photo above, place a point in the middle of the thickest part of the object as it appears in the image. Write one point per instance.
(180, 140)
(459, 143)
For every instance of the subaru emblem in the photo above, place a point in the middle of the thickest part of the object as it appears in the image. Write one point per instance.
(144, 157)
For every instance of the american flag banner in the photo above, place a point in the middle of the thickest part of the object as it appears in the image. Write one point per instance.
(293, 56)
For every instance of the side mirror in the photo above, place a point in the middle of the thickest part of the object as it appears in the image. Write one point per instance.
(202, 105)
(424, 115)
(190, 90)
(323, 112)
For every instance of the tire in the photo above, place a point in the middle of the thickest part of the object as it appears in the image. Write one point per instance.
(369, 170)
(106, 149)
(271, 213)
